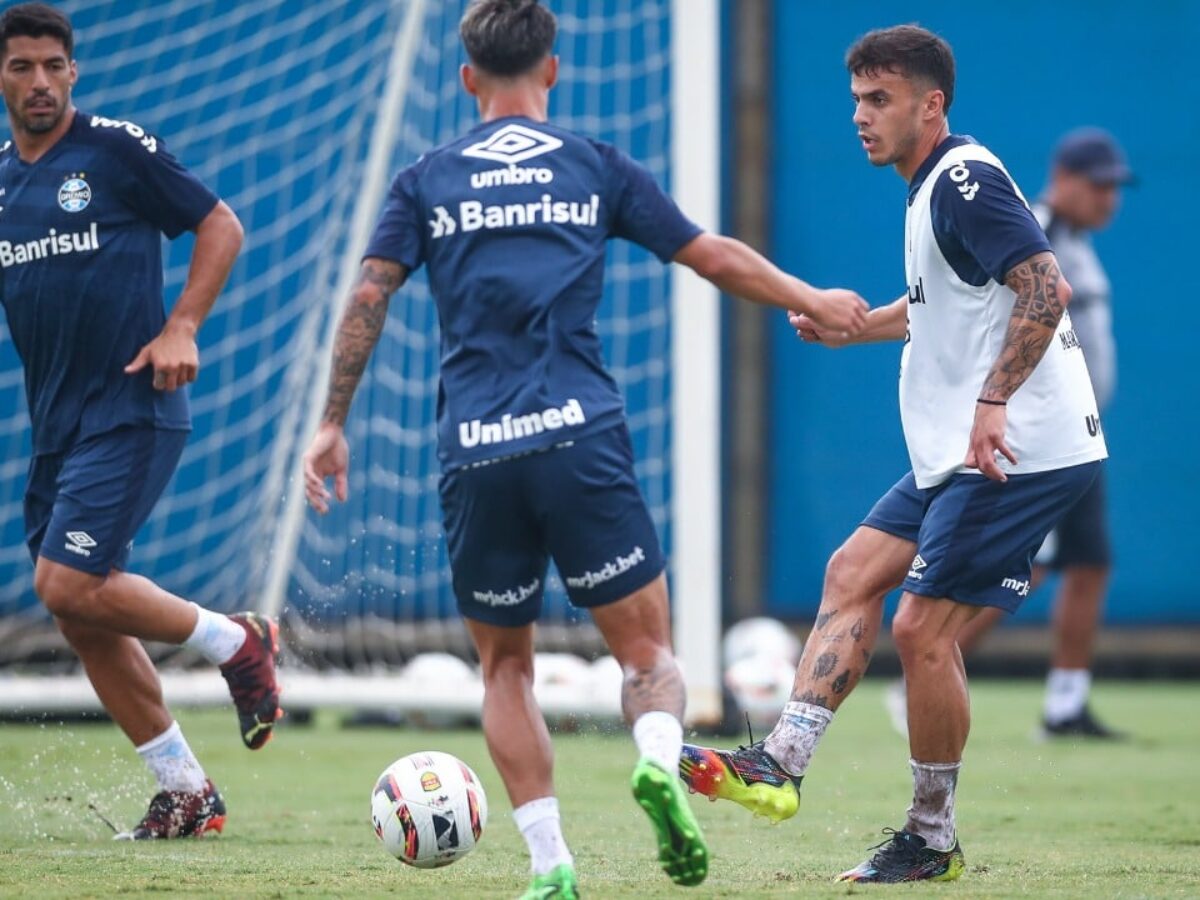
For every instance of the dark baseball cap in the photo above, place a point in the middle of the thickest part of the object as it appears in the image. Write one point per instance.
(1095, 154)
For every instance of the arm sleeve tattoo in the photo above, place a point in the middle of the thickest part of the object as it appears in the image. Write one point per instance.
(358, 332)
(1042, 295)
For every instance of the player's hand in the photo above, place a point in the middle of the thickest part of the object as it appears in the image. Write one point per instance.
(327, 455)
(987, 439)
(173, 355)
(838, 311)
(809, 332)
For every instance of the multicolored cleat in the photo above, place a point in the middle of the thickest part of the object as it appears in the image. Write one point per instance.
(176, 814)
(250, 675)
(681, 848)
(905, 857)
(559, 882)
(748, 776)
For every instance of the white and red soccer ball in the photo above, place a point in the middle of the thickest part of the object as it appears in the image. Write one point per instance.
(429, 809)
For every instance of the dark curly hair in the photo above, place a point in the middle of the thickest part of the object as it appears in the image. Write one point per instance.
(909, 50)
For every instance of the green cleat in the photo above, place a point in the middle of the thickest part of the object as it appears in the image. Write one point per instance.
(681, 848)
(558, 882)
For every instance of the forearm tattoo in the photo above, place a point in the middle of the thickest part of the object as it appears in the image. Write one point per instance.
(1035, 317)
(358, 332)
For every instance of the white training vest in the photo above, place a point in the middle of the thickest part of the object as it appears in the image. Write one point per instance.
(955, 332)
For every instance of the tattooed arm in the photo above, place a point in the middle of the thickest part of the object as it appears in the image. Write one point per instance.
(1042, 295)
(362, 323)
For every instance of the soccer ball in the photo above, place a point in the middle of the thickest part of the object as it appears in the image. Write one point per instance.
(761, 686)
(760, 636)
(429, 809)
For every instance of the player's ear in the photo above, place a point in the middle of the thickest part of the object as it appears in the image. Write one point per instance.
(470, 82)
(74, 73)
(550, 71)
(935, 103)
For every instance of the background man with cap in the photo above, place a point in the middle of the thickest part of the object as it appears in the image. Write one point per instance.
(1088, 172)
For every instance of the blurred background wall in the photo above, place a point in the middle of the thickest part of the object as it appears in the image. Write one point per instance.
(1026, 73)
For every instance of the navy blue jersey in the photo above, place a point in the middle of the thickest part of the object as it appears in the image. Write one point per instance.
(512, 220)
(81, 275)
(983, 235)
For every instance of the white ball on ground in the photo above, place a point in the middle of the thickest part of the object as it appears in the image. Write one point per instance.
(428, 809)
(760, 636)
(761, 685)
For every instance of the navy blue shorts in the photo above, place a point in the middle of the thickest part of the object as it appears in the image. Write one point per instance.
(83, 506)
(1081, 536)
(976, 537)
(578, 504)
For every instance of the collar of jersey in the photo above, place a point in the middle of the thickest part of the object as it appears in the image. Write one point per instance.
(952, 141)
(76, 124)
(491, 123)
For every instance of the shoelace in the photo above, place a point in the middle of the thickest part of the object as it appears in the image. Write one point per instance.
(894, 847)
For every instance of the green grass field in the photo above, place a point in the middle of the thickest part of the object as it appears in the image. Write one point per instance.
(1056, 820)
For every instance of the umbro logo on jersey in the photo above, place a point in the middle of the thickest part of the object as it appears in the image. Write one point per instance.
(80, 543)
(1093, 425)
(914, 571)
(513, 144)
(959, 175)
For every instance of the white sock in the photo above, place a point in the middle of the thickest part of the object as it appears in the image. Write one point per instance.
(932, 812)
(216, 637)
(796, 735)
(659, 738)
(171, 760)
(1066, 694)
(539, 824)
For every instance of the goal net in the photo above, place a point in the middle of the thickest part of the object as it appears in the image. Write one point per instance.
(298, 115)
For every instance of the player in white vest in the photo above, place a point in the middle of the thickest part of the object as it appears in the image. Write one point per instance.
(1081, 197)
(1002, 433)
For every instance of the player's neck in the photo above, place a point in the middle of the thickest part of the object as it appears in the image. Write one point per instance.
(928, 142)
(527, 101)
(32, 147)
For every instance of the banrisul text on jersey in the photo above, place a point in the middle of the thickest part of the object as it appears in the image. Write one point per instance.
(511, 223)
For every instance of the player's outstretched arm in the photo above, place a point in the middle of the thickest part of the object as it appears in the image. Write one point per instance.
(1042, 295)
(884, 323)
(362, 323)
(173, 354)
(738, 269)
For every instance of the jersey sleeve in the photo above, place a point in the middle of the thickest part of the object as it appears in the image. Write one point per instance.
(982, 225)
(642, 211)
(398, 233)
(163, 192)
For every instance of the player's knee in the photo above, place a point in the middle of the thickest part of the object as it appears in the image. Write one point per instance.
(507, 669)
(67, 594)
(847, 578)
(918, 639)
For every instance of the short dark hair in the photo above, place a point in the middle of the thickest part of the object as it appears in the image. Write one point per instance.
(908, 50)
(35, 20)
(507, 38)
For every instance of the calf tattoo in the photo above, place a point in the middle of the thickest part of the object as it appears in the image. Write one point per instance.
(839, 636)
(654, 689)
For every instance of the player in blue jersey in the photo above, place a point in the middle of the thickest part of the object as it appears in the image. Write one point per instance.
(84, 202)
(511, 222)
(1003, 435)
